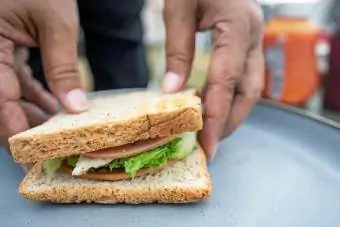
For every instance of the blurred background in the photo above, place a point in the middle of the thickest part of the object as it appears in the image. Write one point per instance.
(301, 47)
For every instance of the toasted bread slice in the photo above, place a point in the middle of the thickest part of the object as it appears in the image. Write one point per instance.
(184, 181)
(111, 121)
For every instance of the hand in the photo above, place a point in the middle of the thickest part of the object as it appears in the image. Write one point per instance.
(39, 105)
(235, 74)
(53, 26)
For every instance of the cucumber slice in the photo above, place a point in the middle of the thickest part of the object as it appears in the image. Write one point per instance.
(51, 166)
(185, 146)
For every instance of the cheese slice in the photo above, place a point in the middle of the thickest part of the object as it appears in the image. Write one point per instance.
(85, 164)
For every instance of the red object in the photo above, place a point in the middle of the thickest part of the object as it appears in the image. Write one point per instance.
(291, 64)
(332, 83)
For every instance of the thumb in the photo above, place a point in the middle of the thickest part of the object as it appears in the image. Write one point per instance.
(58, 42)
(180, 26)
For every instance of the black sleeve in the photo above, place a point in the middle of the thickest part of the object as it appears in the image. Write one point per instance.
(113, 35)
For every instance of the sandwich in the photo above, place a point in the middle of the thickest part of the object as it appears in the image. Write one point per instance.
(133, 147)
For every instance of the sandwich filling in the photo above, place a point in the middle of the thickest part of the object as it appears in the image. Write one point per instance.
(128, 161)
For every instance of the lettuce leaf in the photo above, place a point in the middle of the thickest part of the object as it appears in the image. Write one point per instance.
(155, 158)
(72, 160)
(117, 163)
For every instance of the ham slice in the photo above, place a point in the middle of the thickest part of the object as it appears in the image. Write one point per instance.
(111, 176)
(128, 149)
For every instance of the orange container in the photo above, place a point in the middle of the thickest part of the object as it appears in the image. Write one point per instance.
(291, 62)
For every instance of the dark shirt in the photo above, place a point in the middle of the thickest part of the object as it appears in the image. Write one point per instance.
(113, 44)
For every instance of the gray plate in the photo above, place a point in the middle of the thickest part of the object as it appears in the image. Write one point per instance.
(279, 169)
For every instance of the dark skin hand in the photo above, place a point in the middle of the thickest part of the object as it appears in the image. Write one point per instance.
(37, 100)
(53, 26)
(234, 79)
(235, 73)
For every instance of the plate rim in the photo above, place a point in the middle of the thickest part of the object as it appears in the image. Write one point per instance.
(301, 112)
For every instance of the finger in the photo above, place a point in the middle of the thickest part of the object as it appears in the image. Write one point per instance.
(31, 88)
(58, 43)
(34, 114)
(12, 117)
(225, 70)
(180, 24)
(34, 92)
(248, 91)
(20, 57)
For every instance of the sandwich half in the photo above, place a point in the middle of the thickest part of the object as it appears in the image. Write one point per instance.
(136, 147)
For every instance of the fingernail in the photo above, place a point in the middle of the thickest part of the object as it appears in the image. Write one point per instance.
(211, 158)
(171, 82)
(77, 100)
(213, 153)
